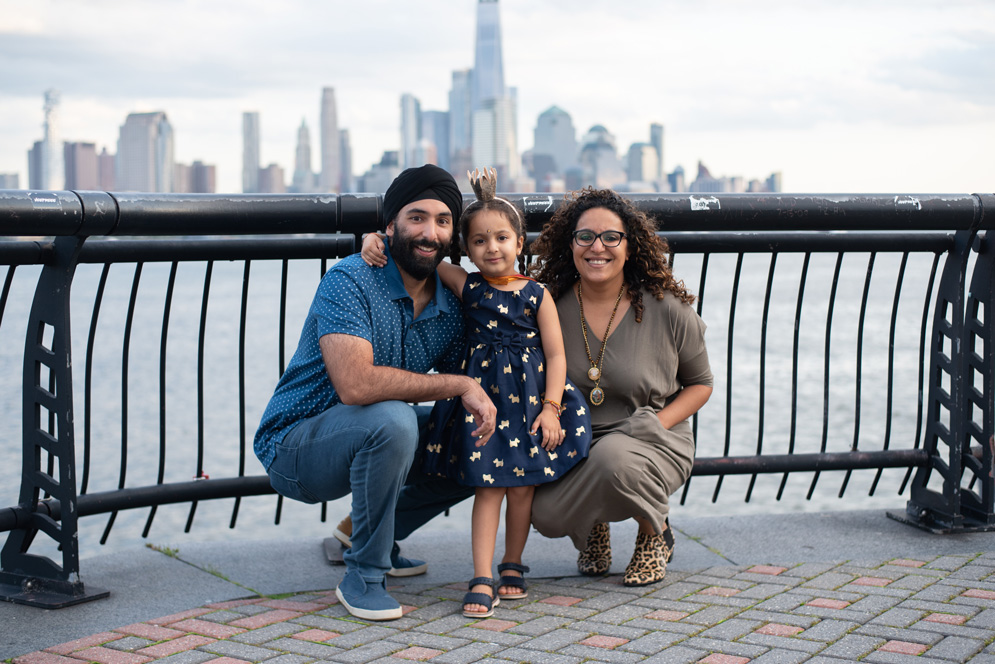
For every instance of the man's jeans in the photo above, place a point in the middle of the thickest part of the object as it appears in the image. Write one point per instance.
(369, 451)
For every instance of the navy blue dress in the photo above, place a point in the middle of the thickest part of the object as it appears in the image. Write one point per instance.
(505, 355)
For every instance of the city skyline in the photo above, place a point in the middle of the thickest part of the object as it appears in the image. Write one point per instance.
(878, 96)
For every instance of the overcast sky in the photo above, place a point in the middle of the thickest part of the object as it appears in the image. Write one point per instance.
(855, 96)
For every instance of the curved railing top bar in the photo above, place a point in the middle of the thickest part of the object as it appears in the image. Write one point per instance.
(953, 488)
(92, 213)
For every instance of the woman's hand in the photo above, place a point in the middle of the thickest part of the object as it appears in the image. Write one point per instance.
(549, 421)
(372, 252)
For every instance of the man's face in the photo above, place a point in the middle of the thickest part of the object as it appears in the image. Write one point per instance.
(420, 237)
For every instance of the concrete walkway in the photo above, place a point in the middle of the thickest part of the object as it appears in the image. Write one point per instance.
(829, 587)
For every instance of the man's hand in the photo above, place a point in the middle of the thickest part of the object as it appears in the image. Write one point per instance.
(478, 404)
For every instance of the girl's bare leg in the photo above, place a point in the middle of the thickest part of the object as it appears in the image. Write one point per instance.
(484, 523)
(518, 520)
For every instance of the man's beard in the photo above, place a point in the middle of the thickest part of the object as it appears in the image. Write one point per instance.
(402, 250)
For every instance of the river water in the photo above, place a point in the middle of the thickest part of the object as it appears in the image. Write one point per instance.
(830, 423)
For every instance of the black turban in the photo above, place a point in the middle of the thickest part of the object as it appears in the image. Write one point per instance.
(415, 184)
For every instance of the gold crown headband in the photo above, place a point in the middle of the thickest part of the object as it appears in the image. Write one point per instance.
(484, 186)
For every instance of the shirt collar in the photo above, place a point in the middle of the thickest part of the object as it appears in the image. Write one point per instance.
(396, 291)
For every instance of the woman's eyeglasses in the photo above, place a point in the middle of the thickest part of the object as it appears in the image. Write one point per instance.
(608, 238)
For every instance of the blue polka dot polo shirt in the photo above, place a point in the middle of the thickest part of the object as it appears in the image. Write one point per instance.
(369, 303)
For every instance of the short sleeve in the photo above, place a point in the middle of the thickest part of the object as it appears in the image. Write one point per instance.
(341, 307)
(689, 335)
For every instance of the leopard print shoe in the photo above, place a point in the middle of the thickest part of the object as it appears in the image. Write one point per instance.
(596, 558)
(649, 561)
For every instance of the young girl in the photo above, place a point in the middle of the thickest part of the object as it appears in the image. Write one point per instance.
(516, 352)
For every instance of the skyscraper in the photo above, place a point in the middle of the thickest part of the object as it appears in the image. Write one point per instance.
(303, 180)
(410, 129)
(81, 166)
(330, 158)
(250, 152)
(656, 140)
(435, 129)
(45, 160)
(461, 122)
(494, 105)
(145, 153)
(488, 64)
(555, 137)
(345, 169)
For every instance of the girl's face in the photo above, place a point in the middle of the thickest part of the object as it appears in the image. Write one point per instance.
(492, 244)
(598, 263)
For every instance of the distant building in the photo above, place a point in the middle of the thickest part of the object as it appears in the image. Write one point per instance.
(656, 140)
(330, 158)
(555, 143)
(494, 139)
(599, 159)
(250, 152)
(52, 164)
(35, 178)
(641, 166)
(145, 153)
(410, 130)
(494, 121)
(461, 122)
(303, 180)
(271, 180)
(82, 172)
(10, 181)
(435, 129)
(345, 166)
(378, 178)
(203, 178)
(105, 171)
(676, 180)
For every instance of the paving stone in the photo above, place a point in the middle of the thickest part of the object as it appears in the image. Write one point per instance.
(678, 627)
(322, 622)
(775, 616)
(471, 652)
(188, 657)
(436, 641)
(731, 629)
(369, 652)
(446, 624)
(652, 643)
(948, 563)
(306, 648)
(249, 653)
(896, 634)
(129, 643)
(620, 614)
(983, 620)
(555, 640)
(761, 591)
(590, 653)
(810, 570)
(785, 602)
(828, 631)
(956, 648)
(677, 591)
(778, 656)
(712, 615)
(363, 636)
(914, 582)
(537, 657)
(605, 601)
(269, 633)
(898, 617)
(828, 581)
(290, 659)
(504, 639)
(222, 617)
(605, 629)
(678, 654)
(947, 629)
(166, 648)
(726, 647)
(853, 647)
(105, 655)
(783, 643)
(540, 626)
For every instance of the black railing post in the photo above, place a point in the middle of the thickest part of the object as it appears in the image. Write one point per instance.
(48, 436)
(960, 382)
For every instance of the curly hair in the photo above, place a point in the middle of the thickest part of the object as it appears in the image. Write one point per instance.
(645, 267)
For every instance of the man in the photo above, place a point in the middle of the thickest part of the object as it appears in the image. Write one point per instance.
(340, 420)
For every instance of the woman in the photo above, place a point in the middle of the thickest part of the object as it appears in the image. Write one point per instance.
(635, 348)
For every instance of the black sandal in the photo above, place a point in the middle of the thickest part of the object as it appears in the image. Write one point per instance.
(514, 581)
(482, 599)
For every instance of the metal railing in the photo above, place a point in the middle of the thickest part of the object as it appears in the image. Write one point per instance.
(855, 335)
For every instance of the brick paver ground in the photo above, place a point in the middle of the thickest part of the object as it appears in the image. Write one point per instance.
(901, 610)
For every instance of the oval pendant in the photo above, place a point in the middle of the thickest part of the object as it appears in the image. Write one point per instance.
(594, 373)
(597, 396)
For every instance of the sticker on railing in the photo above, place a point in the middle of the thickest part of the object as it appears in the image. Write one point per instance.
(907, 202)
(537, 204)
(44, 199)
(702, 203)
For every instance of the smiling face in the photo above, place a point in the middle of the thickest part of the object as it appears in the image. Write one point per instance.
(492, 244)
(598, 264)
(420, 237)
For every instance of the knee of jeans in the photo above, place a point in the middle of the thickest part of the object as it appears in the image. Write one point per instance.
(399, 422)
